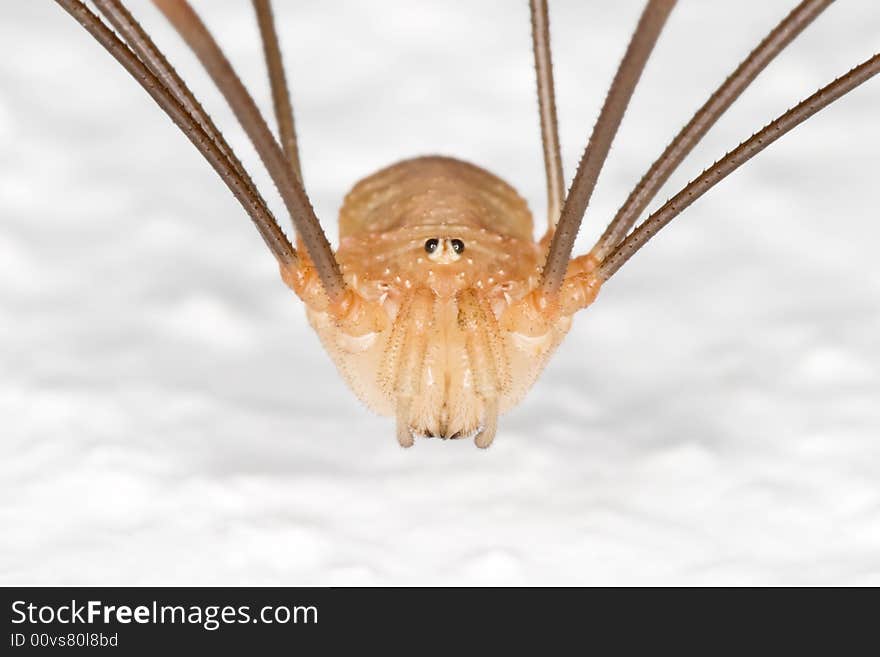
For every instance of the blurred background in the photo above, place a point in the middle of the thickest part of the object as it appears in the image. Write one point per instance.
(168, 417)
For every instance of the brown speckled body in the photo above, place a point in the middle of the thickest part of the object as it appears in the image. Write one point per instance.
(446, 364)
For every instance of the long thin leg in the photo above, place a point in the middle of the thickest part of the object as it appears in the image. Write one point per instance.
(199, 39)
(640, 47)
(139, 41)
(733, 160)
(243, 190)
(703, 120)
(547, 108)
(278, 82)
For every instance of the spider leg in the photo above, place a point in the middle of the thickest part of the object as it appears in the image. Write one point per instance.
(212, 147)
(547, 110)
(190, 27)
(278, 82)
(139, 41)
(705, 117)
(733, 160)
(641, 45)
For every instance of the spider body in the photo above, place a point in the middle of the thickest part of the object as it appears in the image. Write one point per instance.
(444, 248)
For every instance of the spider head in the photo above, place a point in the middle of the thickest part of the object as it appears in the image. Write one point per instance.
(444, 250)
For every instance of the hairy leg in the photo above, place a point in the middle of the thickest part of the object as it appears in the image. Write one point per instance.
(216, 154)
(732, 161)
(278, 82)
(138, 40)
(547, 110)
(628, 73)
(197, 36)
(783, 34)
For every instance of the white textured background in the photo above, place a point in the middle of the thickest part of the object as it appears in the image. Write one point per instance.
(167, 417)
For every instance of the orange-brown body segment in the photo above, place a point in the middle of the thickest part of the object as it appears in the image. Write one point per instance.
(443, 339)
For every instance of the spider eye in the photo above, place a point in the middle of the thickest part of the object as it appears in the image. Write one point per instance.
(432, 244)
(457, 246)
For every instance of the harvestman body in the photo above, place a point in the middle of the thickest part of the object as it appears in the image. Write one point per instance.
(439, 307)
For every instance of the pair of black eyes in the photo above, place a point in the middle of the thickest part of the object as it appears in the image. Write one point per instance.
(432, 244)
